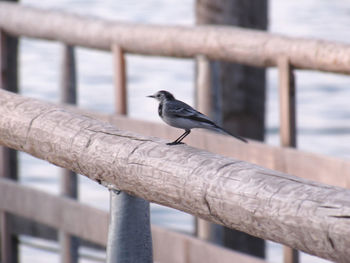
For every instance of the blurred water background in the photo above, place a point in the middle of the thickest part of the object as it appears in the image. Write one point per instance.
(322, 99)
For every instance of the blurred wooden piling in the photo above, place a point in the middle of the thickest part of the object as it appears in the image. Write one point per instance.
(8, 157)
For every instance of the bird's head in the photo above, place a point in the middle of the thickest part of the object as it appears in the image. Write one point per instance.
(162, 95)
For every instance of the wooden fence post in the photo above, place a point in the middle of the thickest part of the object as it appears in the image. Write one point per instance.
(129, 233)
(287, 103)
(69, 181)
(287, 126)
(8, 157)
(203, 87)
(120, 81)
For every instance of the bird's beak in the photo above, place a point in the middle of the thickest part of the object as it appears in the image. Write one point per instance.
(151, 96)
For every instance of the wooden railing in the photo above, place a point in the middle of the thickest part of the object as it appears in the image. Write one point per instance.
(223, 190)
(244, 46)
(250, 47)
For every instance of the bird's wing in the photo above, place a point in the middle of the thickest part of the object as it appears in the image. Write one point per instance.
(181, 109)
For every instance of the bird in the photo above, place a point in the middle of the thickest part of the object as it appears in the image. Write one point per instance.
(178, 114)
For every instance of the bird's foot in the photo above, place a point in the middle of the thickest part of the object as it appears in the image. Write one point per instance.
(174, 143)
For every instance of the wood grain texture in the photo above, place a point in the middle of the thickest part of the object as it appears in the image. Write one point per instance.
(250, 47)
(92, 223)
(302, 214)
(312, 166)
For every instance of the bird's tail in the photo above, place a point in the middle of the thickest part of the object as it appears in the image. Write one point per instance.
(219, 129)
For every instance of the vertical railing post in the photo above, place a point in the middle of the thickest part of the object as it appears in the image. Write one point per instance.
(203, 87)
(121, 104)
(287, 126)
(129, 234)
(69, 181)
(287, 103)
(8, 157)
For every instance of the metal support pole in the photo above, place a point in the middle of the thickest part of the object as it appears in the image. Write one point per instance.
(129, 235)
(287, 126)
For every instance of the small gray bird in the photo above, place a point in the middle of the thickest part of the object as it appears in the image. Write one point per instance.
(181, 115)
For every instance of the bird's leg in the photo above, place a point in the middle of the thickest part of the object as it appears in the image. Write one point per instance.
(178, 140)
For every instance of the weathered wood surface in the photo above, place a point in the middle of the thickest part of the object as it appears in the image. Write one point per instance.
(250, 47)
(310, 166)
(92, 223)
(306, 215)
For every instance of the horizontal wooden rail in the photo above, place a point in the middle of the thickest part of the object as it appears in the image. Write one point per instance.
(61, 213)
(305, 215)
(307, 165)
(251, 47)
(92, 224)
